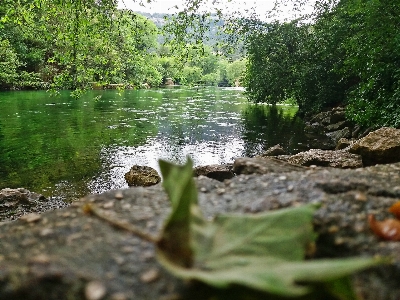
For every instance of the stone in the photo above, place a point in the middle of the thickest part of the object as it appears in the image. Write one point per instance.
(15, 203)
(356, 132)
(342, 144)
(379, 147)
(263, 166)
(314, 129)
(337, 116)
(86, 257)
(322, 117)
(337, 126)
(323, 142)
(18, 196)
(274, 151)
(338, 134)
(169, 81)
(142, 176)
(95, 290)
(217, 172)
(327, 158)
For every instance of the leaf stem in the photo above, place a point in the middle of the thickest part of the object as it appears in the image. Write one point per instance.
(92, 209)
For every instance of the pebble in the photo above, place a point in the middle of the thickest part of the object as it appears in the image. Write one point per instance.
(109, 204)
(339, 241)
(41, 259)
(118, 196)
(46, 231)
(118, 296)
(360, 197)
(220, 191)
(146, 255)
(30, 218)
(95, 290)
(150, 276)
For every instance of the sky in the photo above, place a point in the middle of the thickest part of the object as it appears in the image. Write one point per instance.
(167, 6)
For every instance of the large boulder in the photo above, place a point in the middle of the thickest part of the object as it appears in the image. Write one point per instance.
(326, 158)
(142, 176)
(67, 254)
(379, 147)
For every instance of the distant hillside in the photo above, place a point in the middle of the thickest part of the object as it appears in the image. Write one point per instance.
(213, 36)
(157, 18)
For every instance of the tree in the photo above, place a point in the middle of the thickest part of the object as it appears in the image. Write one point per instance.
(235, 71)
(73, 43)
(8, 64)
(374, 57)
(190, 75)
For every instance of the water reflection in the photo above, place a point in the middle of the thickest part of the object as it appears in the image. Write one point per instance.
(265, 126)
(67, 148)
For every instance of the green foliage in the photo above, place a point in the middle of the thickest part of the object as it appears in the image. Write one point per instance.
(271, 51)
(211, 79)
(81, 44)
(190, 75)
(374, 58)
(348, 55)
(70, 44)
(235, 71)
(298, 61)
(8, 64)
(263, 252)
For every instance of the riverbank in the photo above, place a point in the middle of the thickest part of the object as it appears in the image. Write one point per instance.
(65, 253)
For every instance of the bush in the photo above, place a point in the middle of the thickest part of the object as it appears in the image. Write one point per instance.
(8, 65)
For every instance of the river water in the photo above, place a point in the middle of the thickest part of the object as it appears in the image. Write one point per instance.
(66, 148)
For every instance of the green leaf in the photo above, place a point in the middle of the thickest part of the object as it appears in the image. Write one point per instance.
(264, 252)
(178, 184)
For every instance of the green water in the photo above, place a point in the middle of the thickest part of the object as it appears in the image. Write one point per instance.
(66, 148)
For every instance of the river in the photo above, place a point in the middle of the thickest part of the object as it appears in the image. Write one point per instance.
(66, 148)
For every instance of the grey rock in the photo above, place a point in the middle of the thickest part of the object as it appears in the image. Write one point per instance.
(217, 172)
(322, 117)
(273, 151)
(314, 129)
(65, 253)
(15, 203)
(379, 147)
(327, 158)
(265, 165)
(323, 142)
(142, 176)
(337, 116)
(343, 143)
(337, 135)
(356, 132)
(337, 126)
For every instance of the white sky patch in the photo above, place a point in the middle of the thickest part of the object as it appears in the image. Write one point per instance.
(245, 7)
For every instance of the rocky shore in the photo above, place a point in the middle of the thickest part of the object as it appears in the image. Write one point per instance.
(62, 253)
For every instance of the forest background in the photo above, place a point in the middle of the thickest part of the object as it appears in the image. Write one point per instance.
(71, 45)
(345, 52)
